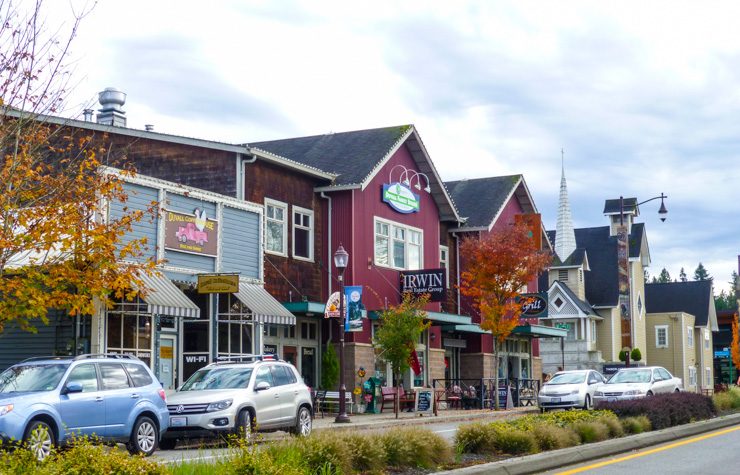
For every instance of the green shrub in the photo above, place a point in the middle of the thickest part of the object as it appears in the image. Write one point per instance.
(325, 447)
(635, 425)
(515, 442)
(413, 447)
(636, 355)
(593, 431)
(367, 452)
(476, 438)
(21, 462)
(727, 400)
(551, 437)
(279, 461)
(613, 425)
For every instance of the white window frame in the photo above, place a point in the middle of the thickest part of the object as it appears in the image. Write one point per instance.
(392, 225)
(692, 375)
(690, 337)
(445, 263)
(310, 229)
(708, 377)
(706, 338)
(657, 336)
(284, 207)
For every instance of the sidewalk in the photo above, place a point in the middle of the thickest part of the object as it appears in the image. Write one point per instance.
(388, 418)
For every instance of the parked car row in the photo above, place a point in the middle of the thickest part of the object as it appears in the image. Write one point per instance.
(585, 388)
(45, 402)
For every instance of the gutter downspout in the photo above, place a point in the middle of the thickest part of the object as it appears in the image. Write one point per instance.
(241, 171)
(328, 254)
(457, 270)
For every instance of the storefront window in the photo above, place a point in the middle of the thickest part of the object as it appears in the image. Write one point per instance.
(129, 330)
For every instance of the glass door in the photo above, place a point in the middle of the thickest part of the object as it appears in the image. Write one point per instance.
(168, 361)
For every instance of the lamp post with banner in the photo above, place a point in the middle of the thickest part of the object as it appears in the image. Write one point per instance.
(341, 258)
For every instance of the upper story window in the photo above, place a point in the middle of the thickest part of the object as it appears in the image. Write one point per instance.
(563, 275)
(444, 263)
(276, 227)
(690, 336)
(706, 339)
(302, 233)
(661, 336)
(398, 246)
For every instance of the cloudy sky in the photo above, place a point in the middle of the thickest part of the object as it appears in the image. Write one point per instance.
(642, 96)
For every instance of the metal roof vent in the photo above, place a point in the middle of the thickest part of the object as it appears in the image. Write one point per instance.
(88, 115)
(111, 100)
(149, 127)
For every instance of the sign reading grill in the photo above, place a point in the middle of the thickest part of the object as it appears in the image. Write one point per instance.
(427, 281)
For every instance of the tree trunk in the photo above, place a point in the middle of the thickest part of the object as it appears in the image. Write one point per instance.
(495, 373)
(396, 402)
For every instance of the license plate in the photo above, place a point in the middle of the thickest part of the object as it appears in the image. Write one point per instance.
(178, 421)
(554, 399)
(611, 399)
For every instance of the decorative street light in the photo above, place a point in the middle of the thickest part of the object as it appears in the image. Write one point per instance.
(625, 303)
(341, 258)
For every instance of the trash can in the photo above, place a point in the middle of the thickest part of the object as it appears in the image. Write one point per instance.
(371, 387)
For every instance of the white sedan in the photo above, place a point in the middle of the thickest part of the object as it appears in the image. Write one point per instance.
(570, 389)
(633, 383)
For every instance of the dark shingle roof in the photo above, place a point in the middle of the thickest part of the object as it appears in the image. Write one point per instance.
(601, 280)
(584, 306)
(689, 297)
(480, 199)
(351, 155)
(576, 258)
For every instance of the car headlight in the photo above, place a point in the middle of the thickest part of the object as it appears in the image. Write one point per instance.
(598, 393)
(634, 392)
(575, 391)
(5, 409)
(219, 406)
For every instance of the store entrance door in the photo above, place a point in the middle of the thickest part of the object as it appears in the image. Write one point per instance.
(168, 361)
(289, 354)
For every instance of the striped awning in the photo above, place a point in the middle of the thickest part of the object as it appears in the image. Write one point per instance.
(164, 298)
(264, 307)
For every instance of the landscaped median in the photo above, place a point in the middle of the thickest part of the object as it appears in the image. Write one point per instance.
(406, 448)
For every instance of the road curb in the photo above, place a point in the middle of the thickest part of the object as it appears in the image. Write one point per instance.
(583, 453)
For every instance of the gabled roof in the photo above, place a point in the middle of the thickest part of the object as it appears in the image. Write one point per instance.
(577, 258)
(356, 157)
(582, 305)
(601, 281)
(694, 297)
(481, 200)
(352, 156)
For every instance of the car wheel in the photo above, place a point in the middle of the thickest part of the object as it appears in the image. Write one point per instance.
(39, 438)
(167, 444)
(677, 390)
(303, 423)
(587, 405)
(649, 393)
(144, 437)
(244, 424)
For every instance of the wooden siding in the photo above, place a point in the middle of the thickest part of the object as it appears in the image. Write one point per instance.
(139, 199)
(287, 278)
(186, 205)
(52, 339)
(241, 242)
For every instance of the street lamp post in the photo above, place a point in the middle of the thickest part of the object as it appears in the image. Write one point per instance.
(625, 294)
(341, 258)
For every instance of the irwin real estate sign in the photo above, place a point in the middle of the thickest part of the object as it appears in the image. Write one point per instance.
(427, 281)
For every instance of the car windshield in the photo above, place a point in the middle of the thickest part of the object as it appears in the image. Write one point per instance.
(630, 377)
(27, 378)
(568, 378)
(218, 378)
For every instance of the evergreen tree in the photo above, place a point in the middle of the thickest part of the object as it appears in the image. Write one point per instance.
(701, 273)
(682, 275)
(664, 277)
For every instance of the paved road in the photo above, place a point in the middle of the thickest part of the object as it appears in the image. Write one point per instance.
(211, 451)
(705, 454)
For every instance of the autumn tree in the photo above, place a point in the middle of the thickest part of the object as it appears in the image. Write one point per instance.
(400, 328)
(735, 346)
(497, 267)
(58, 249)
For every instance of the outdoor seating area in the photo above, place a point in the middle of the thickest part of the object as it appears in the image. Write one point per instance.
(479, 393)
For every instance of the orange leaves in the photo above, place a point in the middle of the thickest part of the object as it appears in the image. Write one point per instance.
(735, 346)
(496, 269)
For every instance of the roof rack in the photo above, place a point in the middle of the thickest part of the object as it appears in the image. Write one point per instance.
(46, 358)
(118, 356)
(244, 358)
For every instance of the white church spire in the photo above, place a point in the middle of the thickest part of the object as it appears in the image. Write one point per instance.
(565, 237)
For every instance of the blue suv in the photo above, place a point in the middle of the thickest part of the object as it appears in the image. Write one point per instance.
(44, 401)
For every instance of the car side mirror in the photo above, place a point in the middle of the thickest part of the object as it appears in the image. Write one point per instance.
(262, 385)
(73, 387)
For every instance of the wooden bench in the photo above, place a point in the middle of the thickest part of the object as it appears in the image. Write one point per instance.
(389, 395)
(332, 397)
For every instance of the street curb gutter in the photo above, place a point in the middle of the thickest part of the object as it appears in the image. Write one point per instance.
(583, 453)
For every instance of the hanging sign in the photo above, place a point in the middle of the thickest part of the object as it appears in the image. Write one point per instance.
(534, 305)
(355, 310)
(427, 281)
(218, 283)
(332, 306)
(401, 198)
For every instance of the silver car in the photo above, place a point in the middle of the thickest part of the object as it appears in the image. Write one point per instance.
(231, 397)
(569, 389)
(633, 383)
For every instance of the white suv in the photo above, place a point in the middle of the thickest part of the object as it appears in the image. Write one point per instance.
(233, 397)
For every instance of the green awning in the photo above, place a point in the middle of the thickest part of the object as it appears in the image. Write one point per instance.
(464, 329)
(435, 317)
(539, 331)
(308, 308)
